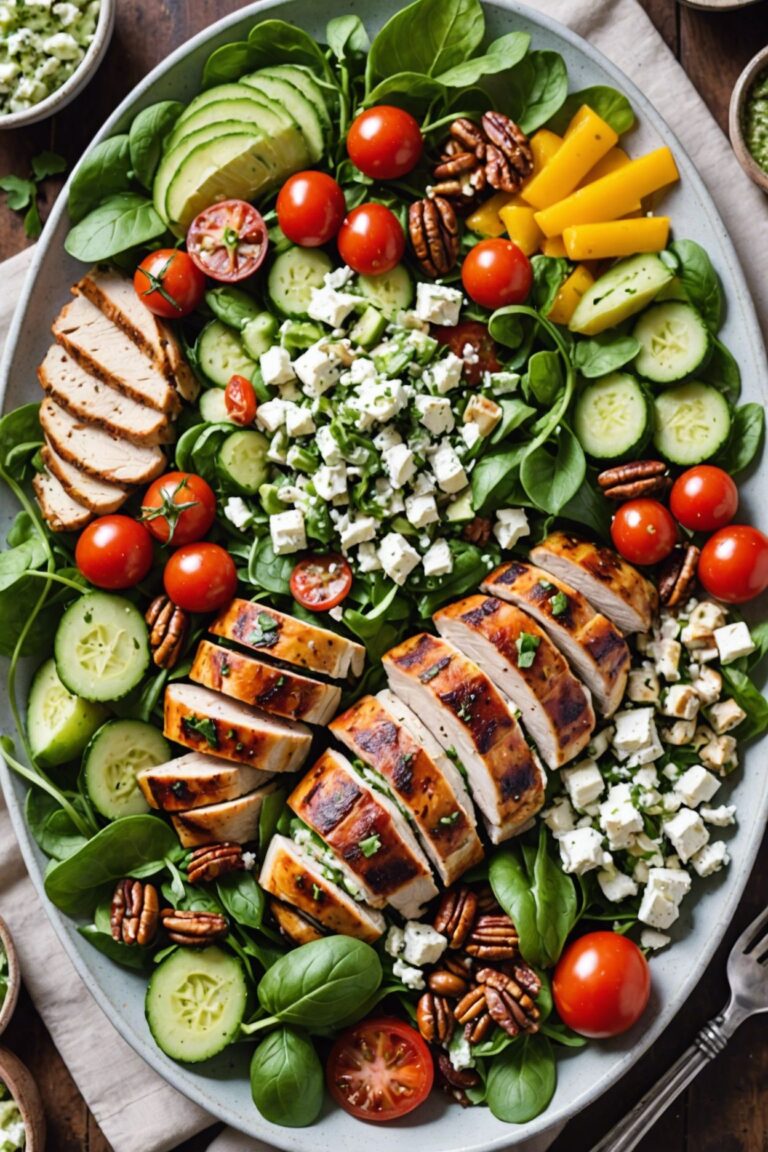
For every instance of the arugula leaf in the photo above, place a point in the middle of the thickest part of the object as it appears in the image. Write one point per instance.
(609, 103)
(19, 193)
(700, 281)
(47, 164)
(428, 37)
(105, 171)
(603, 354)
(503, 53)
(119, 223)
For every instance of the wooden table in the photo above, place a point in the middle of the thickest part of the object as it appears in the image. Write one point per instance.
(726, 1110)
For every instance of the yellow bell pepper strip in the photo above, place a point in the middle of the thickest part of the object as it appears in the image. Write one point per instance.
(612, 161)
(577, 120)
(612, 196)
(589, 141)
(571, 291)
(485, 219)
(544, 145)
(616, 238)
(552, 246)
(522, 228)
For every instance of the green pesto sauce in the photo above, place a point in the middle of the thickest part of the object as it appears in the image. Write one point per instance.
(755, 121)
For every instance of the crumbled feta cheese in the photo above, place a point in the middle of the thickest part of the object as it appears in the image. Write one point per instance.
(435, 413)
(445, 374)
(423, 945)
(63, 46)
(381, 399)
(424, 484)
(327, 446)
(671, 802)
(619, 818)
(598, 745)
(582, 850)
(647, 777)
(635, 729)
(483, 412)
(276, 367)
(653, 940)
(400, 464)
(726, 715)
(367, 558)
(460, 1051)
(616, 885)
(643, 685)
(355, 530)
(510, 526)
(271, 415)
(666, 654)
(448, 469)
(708, 685)
(298, 420)
(719, 753)
(360, 370)
(733, 641)
(560, 817)
(288, 532)
(412, 977)
(686, 832)
(330, 307)
(470, 434)
(421, 510)
(437, 304)
(278, 447)
(501, 383)
(438, 559)
(394, 945)
(398, 558)
(330, 481)
(249, 861)
(720, 817)
(237, 512)
(696, 785)
(338, 277)
(681, 701)
(711, 858)
(387, 438)
(583, 783)
(318, 369)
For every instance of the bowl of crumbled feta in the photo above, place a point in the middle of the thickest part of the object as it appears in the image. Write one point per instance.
(9, 976)
(22, 1118)
(49, 50)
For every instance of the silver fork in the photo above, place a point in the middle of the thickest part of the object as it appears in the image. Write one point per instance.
(748, 978)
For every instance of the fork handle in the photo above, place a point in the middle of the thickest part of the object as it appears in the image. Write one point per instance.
(629, 1131)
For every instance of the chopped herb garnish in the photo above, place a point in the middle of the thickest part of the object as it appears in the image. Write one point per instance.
(203, 726)
(370, 846)
(316, 892)
(178, 788)
(450, 819)
(225, 668)
(547, 585)
(465, 711)
(280, 681)
(266, 632)
(435, 669)
(527, 646)
(231, 734)
(559, 603)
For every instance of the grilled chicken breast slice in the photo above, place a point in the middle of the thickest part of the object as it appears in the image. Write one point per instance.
(366, 833)
(294, 925)
(263, 685)
(60, 512)
(233, 821)
(592, 644)
(94, 451)
(94, 494)
(196, 780)
(612, 585)
(430, 790)
(206, 721)
(281, 637)
(556, 707)
(469, 717)
(290, 874)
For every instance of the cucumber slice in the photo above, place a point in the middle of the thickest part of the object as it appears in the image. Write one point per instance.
(195, 1003)
(296, 104)
(675, 342)
(213, 407)
(119, 750)
(392, 292)
(301, 78)
(221, 354)
(101, 647)
(621, 292)
(292, 277)
(369, 329)
(259, 334)
(242, 462)
(693, 422)
(613, 417)
(59, 724)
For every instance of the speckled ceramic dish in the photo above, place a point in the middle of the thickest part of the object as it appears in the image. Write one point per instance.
(18, 1080)
(757, 65)
(221, 1086)
(13, 976)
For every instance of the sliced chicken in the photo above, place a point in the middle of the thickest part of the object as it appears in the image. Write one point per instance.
(556, 707)
(595, 647)
(297, 928)
(88, 398)
(107, 352)
(368, 835)
(60, 511)
(612, 585)
(96, 452)
(292, 875)
(208, 722)
(233, 821)
(429, 789)
(254, 682)
(94, 494)
(196, 780)
(471, 720)
(284, 638)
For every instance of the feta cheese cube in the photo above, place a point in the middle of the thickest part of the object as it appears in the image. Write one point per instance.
(271, 415)
(616, 885)
(653, 940)
(437, 304)
(671, 802)
(583, 783)
(674, 883)
(435, 413)
(686, 832)
(421, 510)
(643, 685)
(237, 512)
(696, 785)
(470, 434)
(502, 383)
(328, 306)
(327, 446)
(719, 753)
(620, 820)
(666, 654)
(681, 732)
(318, 369)
(582, 850)
(726, 715)
(367, 558)
(510, 526)
(560, 817)
(412, 977)
(708, 685)
(360, 370)
(448, 469)
(356, 530)
(276, 367)
(394, 944)
(438, 559)
(338, 277)
(720, 817)
(398, 558)
(733, 641)
(598, 745)
(423, 945)
(711, 858)
(647, 777)
(445, 374)
(288, 532)
(656, 909)
(634, 729)
(483, 412)
(681, 701)
(387, 438)
(298, 420)
(400, 463)
(381, 399)
(331, 481)
(423, 484)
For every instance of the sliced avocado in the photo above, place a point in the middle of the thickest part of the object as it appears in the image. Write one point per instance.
(285, 137)
(174, 157)
(214, 95)
(621, 292)
(306, 82)
(233, 167)
(296, 104)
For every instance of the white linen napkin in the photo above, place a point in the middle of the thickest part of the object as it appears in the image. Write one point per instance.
(147, 1115)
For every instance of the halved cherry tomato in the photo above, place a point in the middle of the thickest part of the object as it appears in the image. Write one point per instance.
(228, 241)
(200, 577)
(114, 552)
(496, 273)
(321, 582)
(385, 142)
(240, 399)
(380, 1070)
(733, 565)
(473, 343)
(643, 531)
(179, 508)
(371, 240)
(601, 984)
(310, 208)
(169, 283)
(704, 498)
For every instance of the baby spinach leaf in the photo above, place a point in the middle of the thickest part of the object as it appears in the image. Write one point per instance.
(14, 562)
(545, 377)
(501, 54)
(514, 412)
(522, 1080)
(555, 898)
(228, 63)
(347, 37)
(590, 509)
(603, 354)
(747, 432)
(609, 103)
(496, 479)
(267, 571)
(105, 171)
(269, 815)
(231, 305)
(409, 90)
(538, 896)
(550, 481)
(129, 955)
(750, 699)
(549, 273)
(318, 983)
(147, 135)
(561, 1034)
(277, 42)
(722, 372)
(19, 193)
(547, 91)
(287, 1079)
(428, 37)
(700, 281)
(122, 221)
(242, 898)
(20, 426)
(47, 164)
(50, 825)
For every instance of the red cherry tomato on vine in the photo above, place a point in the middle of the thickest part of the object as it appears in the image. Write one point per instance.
(169, 283)
(704, 498)
(643, 531)
(228, 241)
(601, 985)
(114, 552)
(385, 142)
(471, 342)
(371, 240)
(496, 273)
(240, 400)
(380, 1070)
(200, 577)
(179, 508)
(310, 208)
(733, 565)
(321, 582)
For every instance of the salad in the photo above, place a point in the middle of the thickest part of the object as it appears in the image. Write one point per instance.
(377, 555)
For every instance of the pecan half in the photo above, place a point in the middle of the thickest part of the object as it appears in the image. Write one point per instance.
(207, 864)
(456, 1081)
(478, 531)
(634, 479)
(508, 155)
(677, 573)
(479, 1029)
(455, 915)
(134, 913)
(434, 233)
(455, 164)
(435, 1018)
(468, 133)
(450, 979)
(168, 626)
(508, 1004)
(493, 937)
(193, 929)
(486, 901)
(471, 1006)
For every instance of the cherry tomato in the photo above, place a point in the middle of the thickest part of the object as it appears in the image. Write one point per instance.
(733, 565)
(310, 208)
(371, 240)
(473, 343)
(380, 1070)
(179, 508)
(114, 552)
(240, 399)
(200, 577)
(496, 273)
(385, 142)
(169, 283)
(643, 531)
(704, 498)
(321, 582)
(601, 984)
(228, 241)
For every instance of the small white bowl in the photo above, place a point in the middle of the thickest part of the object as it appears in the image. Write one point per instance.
(757, 65)
(13, 976)
(18, 1080)
(81, 76)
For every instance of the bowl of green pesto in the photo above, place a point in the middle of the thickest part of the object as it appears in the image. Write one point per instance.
(49, 50)
(9, 978)
(748, 121)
